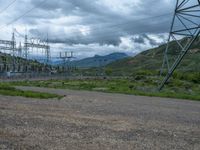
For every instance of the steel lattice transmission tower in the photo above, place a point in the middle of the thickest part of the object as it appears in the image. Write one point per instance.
(184, 31)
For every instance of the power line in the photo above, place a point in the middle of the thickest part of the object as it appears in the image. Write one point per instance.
(118, 25)
(95, 29)
(114, 26)
(16, 19)
(113, 33)
(127, 22)
(111, 26)
(110, 34)
(19, 34)
(4, 9)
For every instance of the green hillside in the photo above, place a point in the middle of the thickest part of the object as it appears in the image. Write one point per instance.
(7, 61)
(152, 60)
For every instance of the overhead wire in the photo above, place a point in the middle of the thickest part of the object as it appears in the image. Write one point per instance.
(130, 21)
(23, 15)
(119, 25)
(108, 34)
(89, 30)
(110, 26)
(10, 4)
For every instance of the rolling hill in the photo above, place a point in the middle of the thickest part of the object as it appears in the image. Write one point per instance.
(152, 59)
(96, 61)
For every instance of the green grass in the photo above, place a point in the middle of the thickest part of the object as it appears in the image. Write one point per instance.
(141, 84)
(8, 90)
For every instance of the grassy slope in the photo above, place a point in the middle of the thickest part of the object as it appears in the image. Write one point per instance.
(152, 60)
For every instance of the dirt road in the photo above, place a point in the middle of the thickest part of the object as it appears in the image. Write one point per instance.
(98, 121)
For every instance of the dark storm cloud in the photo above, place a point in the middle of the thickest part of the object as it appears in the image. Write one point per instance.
(110, 40)
(151, 41)
(139, 40)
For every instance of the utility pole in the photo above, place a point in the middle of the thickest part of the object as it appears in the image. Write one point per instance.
(185, 25)
(47, 51)
(26, 47)
(11, 47)
(26, 52)
(39, 45)
(20, 50)
(66, 57)
(13, 51)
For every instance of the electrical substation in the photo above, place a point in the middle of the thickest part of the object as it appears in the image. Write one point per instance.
(16, 58)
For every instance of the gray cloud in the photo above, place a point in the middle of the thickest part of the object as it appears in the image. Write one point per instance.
(101, 22)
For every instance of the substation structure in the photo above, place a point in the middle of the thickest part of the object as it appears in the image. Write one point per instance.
(66, 66)
(184, 31)
(16, 59)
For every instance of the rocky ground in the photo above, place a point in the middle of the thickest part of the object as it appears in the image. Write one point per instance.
(98, 121)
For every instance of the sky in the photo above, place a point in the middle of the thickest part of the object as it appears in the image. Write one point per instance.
(89, 27)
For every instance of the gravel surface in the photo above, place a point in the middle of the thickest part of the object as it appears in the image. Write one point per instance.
(98, 121)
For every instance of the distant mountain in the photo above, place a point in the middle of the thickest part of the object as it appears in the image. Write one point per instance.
(97, 61)
(152, 59)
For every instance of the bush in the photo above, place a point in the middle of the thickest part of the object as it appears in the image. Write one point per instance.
(145, 73)
(140, 77)
(196, 78)
(6, 87)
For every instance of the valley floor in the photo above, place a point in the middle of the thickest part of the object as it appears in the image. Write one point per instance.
(91, 120)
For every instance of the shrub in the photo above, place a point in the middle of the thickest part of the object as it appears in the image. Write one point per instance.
(145, 73)
(139, 77)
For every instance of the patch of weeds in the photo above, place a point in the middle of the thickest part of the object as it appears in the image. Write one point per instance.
(7, 90)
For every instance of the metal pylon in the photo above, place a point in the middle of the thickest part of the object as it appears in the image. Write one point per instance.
(184, 31)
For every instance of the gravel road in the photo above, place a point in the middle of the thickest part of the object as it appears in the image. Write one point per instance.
(98, 121)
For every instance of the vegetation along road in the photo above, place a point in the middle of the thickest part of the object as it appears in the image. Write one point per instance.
(101, 121)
